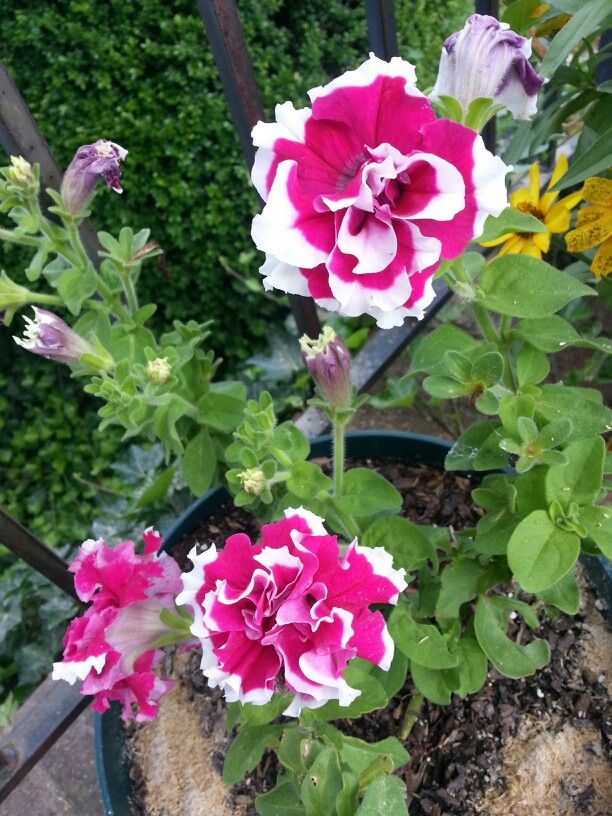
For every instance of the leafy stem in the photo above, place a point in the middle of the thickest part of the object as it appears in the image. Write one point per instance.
(338, 452)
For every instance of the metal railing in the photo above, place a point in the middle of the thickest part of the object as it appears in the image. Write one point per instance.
(49, 711)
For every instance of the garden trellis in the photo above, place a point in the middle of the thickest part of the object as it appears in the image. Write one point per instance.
(50, 710)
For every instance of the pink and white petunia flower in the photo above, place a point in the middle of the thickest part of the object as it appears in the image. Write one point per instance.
(366, 192)
(111, 647)
(289, 612)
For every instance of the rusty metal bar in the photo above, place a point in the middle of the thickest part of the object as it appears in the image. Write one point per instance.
(37, 725)
(224, 32)
(20, 136)
(382, 33)
(27, 547)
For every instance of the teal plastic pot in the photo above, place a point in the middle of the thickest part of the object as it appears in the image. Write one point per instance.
(115, 784)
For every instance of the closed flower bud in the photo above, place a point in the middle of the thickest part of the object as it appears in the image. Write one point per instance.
(329, 363)
(253, 481)
(91, 163)
(48, 336)
(158, 370)
(20, 173)
(486, 59)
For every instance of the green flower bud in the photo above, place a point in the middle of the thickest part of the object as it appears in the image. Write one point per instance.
(253, 481)
(21, 174)
(158, 370)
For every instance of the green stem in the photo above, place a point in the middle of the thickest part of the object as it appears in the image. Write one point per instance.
(338, 440)
(410, 715)
(130, 292)
(11, 237)
(485, 324)
(505, 328)
(51, 300)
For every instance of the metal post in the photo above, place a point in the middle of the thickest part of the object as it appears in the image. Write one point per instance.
(27, 547)
(228, 45)
(381, 28)
(20, 136)
(490, 7)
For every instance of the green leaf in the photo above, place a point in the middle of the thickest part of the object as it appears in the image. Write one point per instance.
(358, 754)
(158, 489)
(488, 369)
(222, 407)
(459, 584)
(462, 455)
(307, 480)
(199, 463)
(422, 643)
(582, 406)
(522, 286)
(283, 800)
(406, 542)
(512, 408)
(386, 796)
(445, 387)
(584, 23)
(247, 749)
(531, 366)
(564, 595)
(540, 553)
(322, 784)
(580, 479)
(347, 800)
(250, 714)
(291, 442)
(435, 685)
(366, 493)
(430, 351)
(548, 334)
(510, 220)
(598, 524)
(74, 286)
(508, 657)
(473, 666)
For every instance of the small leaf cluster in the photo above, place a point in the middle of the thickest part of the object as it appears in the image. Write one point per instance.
(325, 772)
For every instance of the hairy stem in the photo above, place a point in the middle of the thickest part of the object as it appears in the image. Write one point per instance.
(338, 454)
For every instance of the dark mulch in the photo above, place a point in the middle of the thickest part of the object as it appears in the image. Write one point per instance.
(454, 749)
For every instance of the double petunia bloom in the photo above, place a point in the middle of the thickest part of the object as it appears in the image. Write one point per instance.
(367, 192)
(111, 647)
(289, 612)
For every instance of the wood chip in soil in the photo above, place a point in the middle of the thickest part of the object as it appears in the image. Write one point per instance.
(540, 745)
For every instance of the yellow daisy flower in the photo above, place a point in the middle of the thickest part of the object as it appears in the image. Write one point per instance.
(594, 225)
(554, 214)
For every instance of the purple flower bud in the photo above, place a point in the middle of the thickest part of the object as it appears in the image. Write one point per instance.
(91, 163)
(329, 364)
(486, 59)
(48, 336)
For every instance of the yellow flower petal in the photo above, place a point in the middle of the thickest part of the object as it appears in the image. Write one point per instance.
(532, 249)
(588, 235)
(520, 196)
(559, 171)
(558, 218)
(512, 247)
(542, 240)
(534, 184)
(598, 191)
(602, 262)
(497, 241)
(589, 213)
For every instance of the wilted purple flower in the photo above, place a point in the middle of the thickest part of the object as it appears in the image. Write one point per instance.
(91, 163)
(486, 59)
(329, 364)
(48, 336)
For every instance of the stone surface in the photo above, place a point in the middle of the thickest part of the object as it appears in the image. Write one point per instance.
(64, 783)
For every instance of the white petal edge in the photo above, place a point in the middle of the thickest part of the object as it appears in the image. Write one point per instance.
(367, 73)
(274, 230)
(192, 583)
(290, 124)
(73, 670)
(283, 276)
(381, 562)
(489, 178)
